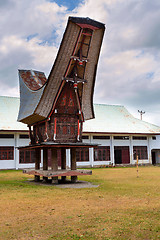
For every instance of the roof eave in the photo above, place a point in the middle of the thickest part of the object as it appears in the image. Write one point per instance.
(120, 133)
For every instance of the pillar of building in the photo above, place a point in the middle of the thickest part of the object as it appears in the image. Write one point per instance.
(112, 151)
(45, 162)
(54, 164)
(73, 163)
(131, 151)
(91, 156)
(16, 151)
(149, 150)
(68, 159)
(37, 163)
(63, 162)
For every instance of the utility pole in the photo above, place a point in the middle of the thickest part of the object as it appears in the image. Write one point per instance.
(141, 113)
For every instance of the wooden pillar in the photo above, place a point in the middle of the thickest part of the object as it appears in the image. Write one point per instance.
(63, 162)
(54, 163)
(73, 163)
(37, 163)
(45, 162)
(30, 135)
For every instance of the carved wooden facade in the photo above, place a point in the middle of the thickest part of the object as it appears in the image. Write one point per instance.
(64, 123)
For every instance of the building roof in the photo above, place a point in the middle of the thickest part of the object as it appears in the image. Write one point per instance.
(117, 119)
(74, 40)
(9, 107)
(108, 119)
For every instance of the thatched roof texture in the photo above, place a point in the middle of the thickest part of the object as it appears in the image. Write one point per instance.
(76, 60)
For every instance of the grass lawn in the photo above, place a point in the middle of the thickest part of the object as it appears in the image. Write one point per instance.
(122, 207)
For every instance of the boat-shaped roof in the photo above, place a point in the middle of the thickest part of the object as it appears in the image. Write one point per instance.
(47, 94)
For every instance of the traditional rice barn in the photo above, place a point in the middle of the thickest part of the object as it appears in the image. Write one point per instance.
(55, 108)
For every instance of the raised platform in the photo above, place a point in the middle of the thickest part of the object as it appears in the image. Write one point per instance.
(59, 173)
(52, 144)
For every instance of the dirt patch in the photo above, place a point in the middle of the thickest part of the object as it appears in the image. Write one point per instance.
(78, 184)
(66, 184)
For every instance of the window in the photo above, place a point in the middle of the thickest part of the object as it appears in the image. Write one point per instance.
(141, 151)
(23, 136)
(101, 137)
(82, 154)
(102, 154)
(139, 138)
(6, 153)
(6, 135)
(121, 137)
(27, 156)
(85, 137)
(154, 138)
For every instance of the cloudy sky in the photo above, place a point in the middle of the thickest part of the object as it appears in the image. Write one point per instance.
(129, 65)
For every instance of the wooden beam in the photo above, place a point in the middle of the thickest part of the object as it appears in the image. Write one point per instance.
(54, 164)
(63, 162)
(45, 162)
(73, 163)
(37, 163)
(59, 173)
(76, 79)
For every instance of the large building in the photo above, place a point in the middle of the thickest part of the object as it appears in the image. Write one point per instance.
(120, 136)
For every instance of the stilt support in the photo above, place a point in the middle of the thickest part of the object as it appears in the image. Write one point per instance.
(45, 162)
(54, 164)
(73, 163)
(63, 162)
(37, 163)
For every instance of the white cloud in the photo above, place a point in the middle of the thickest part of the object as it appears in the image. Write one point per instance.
(12, 91)
(95, 10)
(29, 17)
(28, 33)
(128, 70)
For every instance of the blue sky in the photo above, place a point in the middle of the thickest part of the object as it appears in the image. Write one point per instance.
(129, 65)
(70, 4)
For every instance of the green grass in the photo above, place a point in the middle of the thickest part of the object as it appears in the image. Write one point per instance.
(122, 207)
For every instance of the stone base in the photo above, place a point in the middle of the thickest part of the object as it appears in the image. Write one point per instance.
(73, 179)
(36, 178)
(55, 180)
(45, 179)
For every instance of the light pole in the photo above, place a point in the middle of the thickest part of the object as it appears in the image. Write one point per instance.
(141, 113)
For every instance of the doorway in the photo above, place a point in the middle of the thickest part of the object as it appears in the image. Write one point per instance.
(121, 155)
(118, 156)
(153, 158)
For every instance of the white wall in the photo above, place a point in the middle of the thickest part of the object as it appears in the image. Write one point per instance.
(7, 142)
(151, 144)
(155, 144)
(16, 142)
